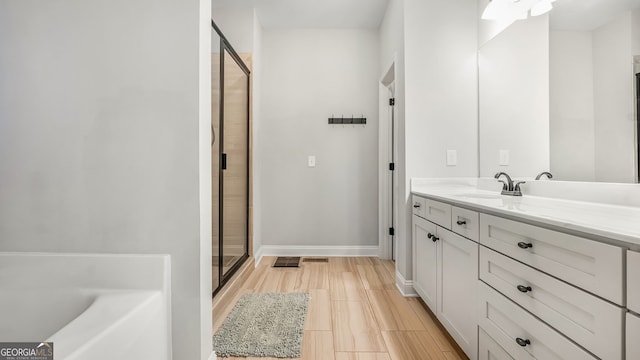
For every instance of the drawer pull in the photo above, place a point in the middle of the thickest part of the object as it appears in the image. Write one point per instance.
(524, 245)
(524, 289)
(415, 206)
(523, 342)
(461, 222)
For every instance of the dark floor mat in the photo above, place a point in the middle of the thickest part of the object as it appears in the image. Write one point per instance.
(287, 261)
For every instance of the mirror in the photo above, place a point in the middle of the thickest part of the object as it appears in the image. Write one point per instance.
(558, 92)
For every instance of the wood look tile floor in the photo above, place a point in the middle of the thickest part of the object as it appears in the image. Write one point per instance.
(355, 312)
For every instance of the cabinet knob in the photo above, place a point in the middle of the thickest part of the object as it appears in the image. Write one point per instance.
(523, 342)
(435, 238)
(461, 222)
(524, 245)
(415, 206)
(430, 235)
(524, 289)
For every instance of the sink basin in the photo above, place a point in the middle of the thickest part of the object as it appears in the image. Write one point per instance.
(481, 196)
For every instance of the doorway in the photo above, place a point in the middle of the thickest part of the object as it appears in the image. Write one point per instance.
(230, 114)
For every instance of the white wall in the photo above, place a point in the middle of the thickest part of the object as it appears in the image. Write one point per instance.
(101, 104)
(256, 77)
(237, 25)
(514, 99)
(311, 75)
(614, 109)
(440, 43)
(571, 105)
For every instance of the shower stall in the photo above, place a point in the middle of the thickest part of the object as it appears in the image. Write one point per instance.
(230, 162)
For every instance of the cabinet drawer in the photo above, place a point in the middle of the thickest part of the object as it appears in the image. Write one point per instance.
(466, 223)
(488, 349)
(419, 206)
(633, 334)
(633, 281)
(512, 327)
(439, 213)
(590, 265)
(590, 321)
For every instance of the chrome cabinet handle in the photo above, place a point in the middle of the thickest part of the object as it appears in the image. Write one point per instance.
(524, 245)
(524, 289)
(523, 342)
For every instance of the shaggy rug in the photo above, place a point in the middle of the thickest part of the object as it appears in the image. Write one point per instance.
(264, 325)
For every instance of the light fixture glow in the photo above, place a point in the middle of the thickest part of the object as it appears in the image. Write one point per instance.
(515, 9)
(542, 7)
(496, 9)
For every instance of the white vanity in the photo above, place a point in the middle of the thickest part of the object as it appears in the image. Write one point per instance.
(527, 277)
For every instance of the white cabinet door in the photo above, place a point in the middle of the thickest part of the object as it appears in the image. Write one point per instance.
(457, 289)
(425, 261)
(633, 336)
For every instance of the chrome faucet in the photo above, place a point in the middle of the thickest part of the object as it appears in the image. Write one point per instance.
(544, 173)
(509, 188)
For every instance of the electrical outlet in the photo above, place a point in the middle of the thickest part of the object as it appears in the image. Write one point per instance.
(311, 161)
(504, 157)
(452, 158)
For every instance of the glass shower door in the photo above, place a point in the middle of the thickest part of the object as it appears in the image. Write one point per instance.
(215, 159)
(235, 162)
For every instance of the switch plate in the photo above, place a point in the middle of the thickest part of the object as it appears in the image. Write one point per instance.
(452, 158)
(504, 157)
(311, 161)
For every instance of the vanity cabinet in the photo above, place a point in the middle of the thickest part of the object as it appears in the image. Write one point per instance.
(537, 292)
(445, 275)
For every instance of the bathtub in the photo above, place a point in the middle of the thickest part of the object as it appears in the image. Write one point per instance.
(90, 306)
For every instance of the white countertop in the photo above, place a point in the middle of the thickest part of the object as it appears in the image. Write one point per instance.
(615, 222)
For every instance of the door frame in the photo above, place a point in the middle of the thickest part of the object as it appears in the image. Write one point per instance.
(226, 48)
(387, 148)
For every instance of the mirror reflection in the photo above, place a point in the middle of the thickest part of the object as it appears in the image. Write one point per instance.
(560, 93)
(593, 124)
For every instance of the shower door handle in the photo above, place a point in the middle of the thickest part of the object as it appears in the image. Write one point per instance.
(223, 162)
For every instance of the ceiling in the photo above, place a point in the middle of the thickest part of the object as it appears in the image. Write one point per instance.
(313, 13)
(583, 15)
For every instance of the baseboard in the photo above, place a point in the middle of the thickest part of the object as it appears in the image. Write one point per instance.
(285, 250)
(257, 255)
(405, 286)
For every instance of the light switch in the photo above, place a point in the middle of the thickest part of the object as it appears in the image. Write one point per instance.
(452, 158)
(311, 161)
(504, 157)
